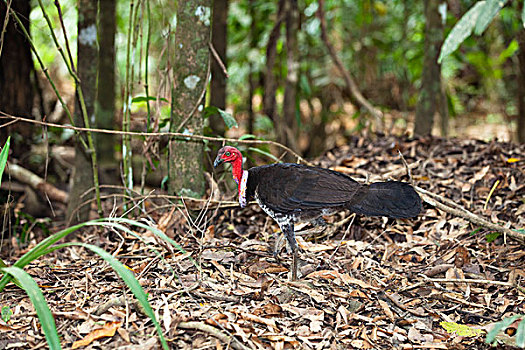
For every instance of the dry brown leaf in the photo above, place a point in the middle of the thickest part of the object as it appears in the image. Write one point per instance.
(108, 330)
(386, 308)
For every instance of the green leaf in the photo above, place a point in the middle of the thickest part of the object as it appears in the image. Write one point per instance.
(501, 325)
(228, 119)
(265, 153)
(461, 30)
(248, 137)
(131, 282)
(3, 157)
(487, 14)
(6, 313)
(461, 329)
(37, 299)
(520, 334)
(139, 99)
(491, 237)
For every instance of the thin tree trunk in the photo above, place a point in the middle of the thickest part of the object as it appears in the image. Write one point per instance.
(16, 66)
(105, 106)
(252, 74)
(431, 90)
(353, 90)
(185, 169)
(87, 55)
(270, 84)
(520, 132)
(290, 123)
(218, 79)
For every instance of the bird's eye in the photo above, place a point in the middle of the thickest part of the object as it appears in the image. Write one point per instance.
(228, 154)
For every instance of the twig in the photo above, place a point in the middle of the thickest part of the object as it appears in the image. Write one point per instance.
(214, 332)
(409, 173)
(464, 213)
(350, 83)
(48, 77)
(458, 280)
(172, 134)
(218, 59)
(6, 21)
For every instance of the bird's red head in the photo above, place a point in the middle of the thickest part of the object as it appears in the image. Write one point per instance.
(230, 155)
(227, 154)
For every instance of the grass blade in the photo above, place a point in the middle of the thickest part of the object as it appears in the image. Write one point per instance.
(131, 282)
(3, 157)
(37, 299)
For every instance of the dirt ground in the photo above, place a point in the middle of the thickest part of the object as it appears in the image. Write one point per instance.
(367, 283)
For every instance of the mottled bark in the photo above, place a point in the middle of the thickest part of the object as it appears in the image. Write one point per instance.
(105, 104)
(87, 53)
(289, 123)
(218, 78)
(190, 67)
(16, 66)
(431, 95)
(520, 132)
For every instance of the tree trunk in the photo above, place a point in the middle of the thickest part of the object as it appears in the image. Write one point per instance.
(185, 170)
(290, 123)
(270, 84)
(105, 105)
(87, 55)
(16, 66)
(431, 92)
(218, 78)
(521, 87)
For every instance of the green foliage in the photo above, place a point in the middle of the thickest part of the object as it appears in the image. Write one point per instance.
(228, 119)
(502, 326)
(37, 299)
(477, 18)
(461, 329)
(491, 237)
(3, 157)
(46, 247)
(6, 313)
(461, 30)
(487, 14)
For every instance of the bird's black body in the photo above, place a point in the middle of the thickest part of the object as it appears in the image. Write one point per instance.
(292, 193)
(306, 192)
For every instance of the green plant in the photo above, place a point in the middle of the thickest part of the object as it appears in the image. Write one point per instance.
(47, 246)
(503, 325)
(476, 19)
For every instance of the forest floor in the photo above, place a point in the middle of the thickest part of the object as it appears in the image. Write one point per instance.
(367, 283)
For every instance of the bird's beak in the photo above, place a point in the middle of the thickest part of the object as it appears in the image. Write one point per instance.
(217, 161)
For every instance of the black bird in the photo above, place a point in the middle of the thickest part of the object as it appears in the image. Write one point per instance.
(292, 193)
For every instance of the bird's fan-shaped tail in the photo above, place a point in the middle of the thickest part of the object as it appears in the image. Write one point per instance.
(393, 199)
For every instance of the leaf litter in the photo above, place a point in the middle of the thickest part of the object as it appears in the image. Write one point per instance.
(368, 283)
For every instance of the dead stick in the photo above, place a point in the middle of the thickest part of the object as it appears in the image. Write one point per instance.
(349, 81)
(36, 182)
(199, 326)
(475, 219)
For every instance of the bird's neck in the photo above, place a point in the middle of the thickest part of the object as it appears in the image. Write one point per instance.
(237, 170)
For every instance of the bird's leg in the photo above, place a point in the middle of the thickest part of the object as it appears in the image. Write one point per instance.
(288, 231)
(277, 246)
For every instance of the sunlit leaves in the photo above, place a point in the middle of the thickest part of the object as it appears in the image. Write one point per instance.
(461, 30)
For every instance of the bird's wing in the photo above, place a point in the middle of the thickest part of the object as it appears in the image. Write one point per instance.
(292, 187)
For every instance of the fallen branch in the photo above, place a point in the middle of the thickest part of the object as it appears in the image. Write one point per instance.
(37, 183)
(454, 209)
(214, 332)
